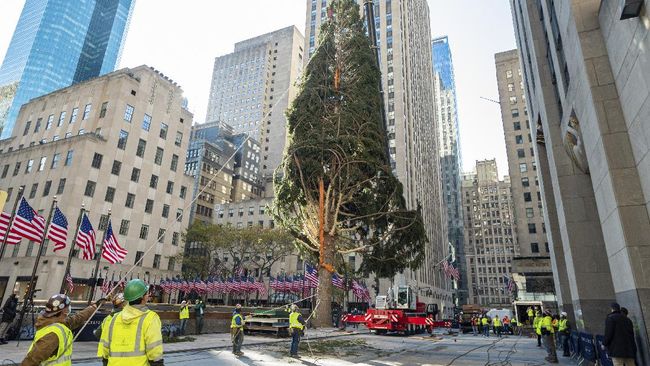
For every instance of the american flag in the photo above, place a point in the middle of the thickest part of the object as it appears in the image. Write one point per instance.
(112, 252)
(58, 231)
(337, 281)
(86, 239)
(450, 271)
(69, 283)
(5, 219)
(106, 285)
(510, 283)
(28, 223)
(240, 271)
(311, 274)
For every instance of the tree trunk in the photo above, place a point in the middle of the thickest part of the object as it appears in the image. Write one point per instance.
(324, 311)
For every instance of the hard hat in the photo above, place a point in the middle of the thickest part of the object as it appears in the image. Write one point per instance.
(118, 299)
(294, 307)
(183, 302)
(238, 306)
(563, 313)
(135, 289)
(55, 305)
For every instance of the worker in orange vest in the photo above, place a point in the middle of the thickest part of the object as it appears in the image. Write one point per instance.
(506, 324)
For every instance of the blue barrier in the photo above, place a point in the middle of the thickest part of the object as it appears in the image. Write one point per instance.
(602, 354)
(574, 343)
(587, 347)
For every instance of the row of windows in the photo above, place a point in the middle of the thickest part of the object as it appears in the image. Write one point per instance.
(62, 118)
(251, 211)
(89, 191)
(42, 163)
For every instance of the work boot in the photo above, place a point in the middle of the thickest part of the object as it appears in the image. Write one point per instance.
(295, 356)
(2, 341)
(239, 353)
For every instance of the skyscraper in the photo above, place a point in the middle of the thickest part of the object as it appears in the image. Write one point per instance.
(57, 44)
(450, 154)
(404, 38)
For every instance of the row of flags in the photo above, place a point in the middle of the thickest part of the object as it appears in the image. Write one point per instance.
(28, 224)
(215, 285)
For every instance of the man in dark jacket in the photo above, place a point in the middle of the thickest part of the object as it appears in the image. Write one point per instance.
(619, 338)
(8, 315)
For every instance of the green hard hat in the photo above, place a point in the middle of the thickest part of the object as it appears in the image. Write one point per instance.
(135, 289)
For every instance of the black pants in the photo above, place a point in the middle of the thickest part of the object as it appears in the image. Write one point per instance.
(539, 340)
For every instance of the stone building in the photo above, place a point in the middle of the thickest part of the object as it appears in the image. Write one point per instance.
(404, 38)
(489, 235)
(586, 74)
(532, 266)
(115, 143)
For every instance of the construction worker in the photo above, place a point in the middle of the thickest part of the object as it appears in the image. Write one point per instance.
(134, 336)
(485, 322)
(118, 305)
(530, 314)
(496, 323)
(184, 315)
(296, 328)
(537, 321)
(549, 336)
(52, 343)
(237, 331)
(514, 326)
(506, 324)
(564, 330)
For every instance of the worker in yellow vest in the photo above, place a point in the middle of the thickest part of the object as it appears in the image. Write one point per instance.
(52, 343)
(134, 336)
(531, 315)
(485, 323)
(514, 326)
(549, 336)
(237, 331)
(118, 305)
(564, 330)
(296, 328)
(537, 322)
(496, 323)
(184, 316)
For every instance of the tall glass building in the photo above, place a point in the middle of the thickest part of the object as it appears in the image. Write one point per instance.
(449, 151)
(58, 43)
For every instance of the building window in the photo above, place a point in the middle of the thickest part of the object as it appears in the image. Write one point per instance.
(144, 232)
(174, 164)
(135, 175)
(117, 166)
(55, 161)
(27, 126)
(146, 122)
(153, 182)
(534, 247)
(90, 188)
(516, 126)
(519, 139)
(179, 139)
(86, 114)
(165, 211)
(179, 214)
(48, 124)
(68, 158)
(527, 197)
(148, 207)
(156, 261)
(514, 112)
(5, 170)
(171, 264)
(159, 156)
(110, 194)
(523, 167)
(513, 100)
(142, 146)
(28, 167)
(61, 119)
(124, 227)
(509, 74)
(130, 200)
(103, 222)
(41, 163)
(128, 113)
(103, 109)
(525, 182)
(138, 258)
(546, 247)
(530, 213)
(32, 192)
(163, 131)
(161, 235)
(175, 237)
(521, 153)
(38, 125)
(121, 141)
(97, 161)
(183, 192)
(532, 229)
(170, 187)
(16, 169)
(46, 189)
(61, 187)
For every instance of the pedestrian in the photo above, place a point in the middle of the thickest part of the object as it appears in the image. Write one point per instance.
(183, 315)
(485, 322)
(506, 324)
(564, 330)
(118, 305)
(548, 332)
(199, 310)
(514, 326)
(537, 322)
(530, 314)
(8, 316)
(52, 343)
(237, 331)
(496, 323)
(474, 322)
(355, 311)
(619, 338)
(296, 328)
(134, 335)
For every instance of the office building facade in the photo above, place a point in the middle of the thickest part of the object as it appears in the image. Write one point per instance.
(586, 77)
(114, 144)
(57, 44)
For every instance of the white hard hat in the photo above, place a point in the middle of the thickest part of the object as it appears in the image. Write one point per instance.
(563, 313)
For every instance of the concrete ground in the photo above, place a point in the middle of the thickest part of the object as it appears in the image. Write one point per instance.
(331, 347)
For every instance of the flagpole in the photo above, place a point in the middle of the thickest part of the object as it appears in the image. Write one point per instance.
(71, 251)
(30, 289)
(19, 195)
(99, 258)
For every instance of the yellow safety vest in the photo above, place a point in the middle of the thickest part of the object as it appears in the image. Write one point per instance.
(563, 325)
(293, 321)
(233, 322)
(547, 322)
(513, 322)
(496, 322)
(484, 321)
(537, 322)
(106, 320)
(63, 354)
(530, 313)
(125, 342)
(185, 313)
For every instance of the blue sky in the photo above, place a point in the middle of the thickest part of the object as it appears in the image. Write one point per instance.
(182, 41)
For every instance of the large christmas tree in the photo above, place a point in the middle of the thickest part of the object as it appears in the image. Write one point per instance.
(335, 191)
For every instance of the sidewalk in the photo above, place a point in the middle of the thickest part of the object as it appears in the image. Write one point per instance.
(82, 351)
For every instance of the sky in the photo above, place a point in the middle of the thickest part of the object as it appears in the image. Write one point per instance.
(182, 42)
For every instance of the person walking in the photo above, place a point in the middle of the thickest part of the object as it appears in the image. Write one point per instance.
(184, 315)
(619, 338)
(8, 316)
(199, 310)
(496, 323)
(538, 330)
(564, 330)
(118, 305)
(134, 336)
(52, 343)
(548, 332)
(237, 331)
(485, 322)
(296, 328)
(474, 322)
